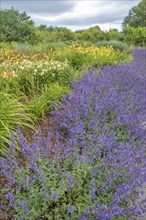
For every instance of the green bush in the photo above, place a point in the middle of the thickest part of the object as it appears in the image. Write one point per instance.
(136, 36)
(117, 45)
(7, 45)
(75, 59)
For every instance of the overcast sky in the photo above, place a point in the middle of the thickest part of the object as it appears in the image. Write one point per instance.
(74, 14)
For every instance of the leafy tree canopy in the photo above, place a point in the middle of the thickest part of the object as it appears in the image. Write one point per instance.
(136, 16)
(16, 26)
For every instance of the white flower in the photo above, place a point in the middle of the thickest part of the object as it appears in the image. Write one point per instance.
(42, 73)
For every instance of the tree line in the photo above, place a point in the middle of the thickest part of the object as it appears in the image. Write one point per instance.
(18, 26)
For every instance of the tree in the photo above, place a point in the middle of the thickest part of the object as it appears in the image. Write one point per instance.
(42, 27)
(136, 16)
(16, 26)
(136, 36)
(114, 34)
(93, 34)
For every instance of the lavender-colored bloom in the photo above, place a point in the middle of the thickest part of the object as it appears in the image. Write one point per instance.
(93, 193)
(54, 196)
(10, 197)
(21, 218)
(70, 181)
(82, 218)
(71, 208)
(25, 207)
(45, 194)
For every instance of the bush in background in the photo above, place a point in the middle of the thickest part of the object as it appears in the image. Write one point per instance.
(117, 45)
(136, 36)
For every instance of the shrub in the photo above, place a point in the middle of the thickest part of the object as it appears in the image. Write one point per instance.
(117, 45)
(136, 36)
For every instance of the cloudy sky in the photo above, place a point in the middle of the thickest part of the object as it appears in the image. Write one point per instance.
(77, 14)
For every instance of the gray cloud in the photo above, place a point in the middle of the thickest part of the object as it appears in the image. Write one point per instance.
(67, 12)
(90, 20)
(43, 7)
(115, 14)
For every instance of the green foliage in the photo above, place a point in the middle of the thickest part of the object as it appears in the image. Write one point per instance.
(135, 36)
(136, 16)
(12, 114)
(8, 45)
(42, 104)
(16, 26)
(93, 34)
(54, 34)
(72, 190)
(10, 86)
(40, 47)
(117, 45)
(75, 59)
(32, 77)
(81, 56)
(33, 90)
(114, 34)
(33, 48)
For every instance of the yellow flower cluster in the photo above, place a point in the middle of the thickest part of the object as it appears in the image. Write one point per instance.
(57, 60)
(93, 50)
(12, 56)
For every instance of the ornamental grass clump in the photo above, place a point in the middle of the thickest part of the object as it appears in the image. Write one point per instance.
(93, 165)
(12, 114)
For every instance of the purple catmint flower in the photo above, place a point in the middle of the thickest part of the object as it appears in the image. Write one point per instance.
(10, 197)
(25, 207)
(82, 218)
(93, 193)
(70, 181)
(71, 208)
(54, 196)
(21, 218)
(45, 194)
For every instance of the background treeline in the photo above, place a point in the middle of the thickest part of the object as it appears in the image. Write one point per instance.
(17, 26)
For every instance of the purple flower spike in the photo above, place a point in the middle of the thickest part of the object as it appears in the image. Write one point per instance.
(54, 196)
(71, 208)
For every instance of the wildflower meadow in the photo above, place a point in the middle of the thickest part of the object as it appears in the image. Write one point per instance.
(73, 110)
(89, 163)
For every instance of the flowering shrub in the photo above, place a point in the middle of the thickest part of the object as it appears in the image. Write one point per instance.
(93, 165)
